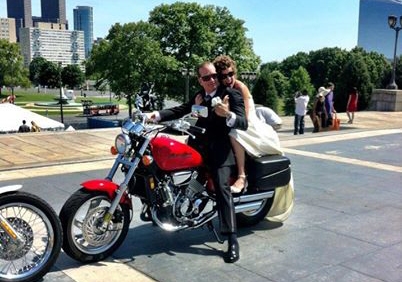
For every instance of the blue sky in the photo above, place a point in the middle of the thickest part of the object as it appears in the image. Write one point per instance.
(278, 28)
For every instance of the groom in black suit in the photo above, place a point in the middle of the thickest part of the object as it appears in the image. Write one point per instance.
(215, 143)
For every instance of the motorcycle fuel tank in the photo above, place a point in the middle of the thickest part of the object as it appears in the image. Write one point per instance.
(171, 154)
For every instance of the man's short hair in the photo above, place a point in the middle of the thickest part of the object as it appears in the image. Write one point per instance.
(203, 64)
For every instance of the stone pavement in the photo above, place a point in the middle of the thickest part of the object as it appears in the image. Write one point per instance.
(332, 224)
(30, 150)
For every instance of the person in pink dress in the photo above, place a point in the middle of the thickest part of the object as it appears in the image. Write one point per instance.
(351, 106)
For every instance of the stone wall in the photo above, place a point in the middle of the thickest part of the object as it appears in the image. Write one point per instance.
(386, 100)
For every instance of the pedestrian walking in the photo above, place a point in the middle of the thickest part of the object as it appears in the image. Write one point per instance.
(351, 106)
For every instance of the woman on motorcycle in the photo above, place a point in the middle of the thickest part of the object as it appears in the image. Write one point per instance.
(260, 138)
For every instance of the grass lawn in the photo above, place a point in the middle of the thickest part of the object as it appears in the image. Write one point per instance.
(28, 99)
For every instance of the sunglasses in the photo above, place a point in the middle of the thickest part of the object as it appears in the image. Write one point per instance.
(208, 77)
(226, 75)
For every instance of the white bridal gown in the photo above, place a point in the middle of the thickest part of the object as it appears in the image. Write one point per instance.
(260, 138)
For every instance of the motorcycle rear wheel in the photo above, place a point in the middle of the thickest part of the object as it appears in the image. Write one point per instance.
(38, 225)
(81, 217)
(252, 217)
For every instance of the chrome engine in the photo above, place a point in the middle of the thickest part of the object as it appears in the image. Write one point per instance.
(182, 199)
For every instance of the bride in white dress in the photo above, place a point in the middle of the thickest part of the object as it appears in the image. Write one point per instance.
(260, 138)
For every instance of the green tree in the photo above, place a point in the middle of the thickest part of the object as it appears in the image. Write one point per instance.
(281, 83)
(50, 75)
(271, 66)
(331, 64)
(378, 66)
(264, 91)
(12, 70)
(301, 59)
(129, 56)
(72, 76)
(299, 81)
(191, 33)
(35, 69)
(354, 74)
(326, 65)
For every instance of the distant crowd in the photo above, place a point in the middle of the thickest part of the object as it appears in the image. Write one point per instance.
(323, 114)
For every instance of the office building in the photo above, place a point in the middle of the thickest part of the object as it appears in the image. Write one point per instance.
(21, 11)
(7, 30)
(83, 20)
(374, 32)
(54, 11)
(64, 46)
(44, 25)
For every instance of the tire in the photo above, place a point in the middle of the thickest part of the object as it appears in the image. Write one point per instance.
(82, 240)
(252, 217)
(37, 223)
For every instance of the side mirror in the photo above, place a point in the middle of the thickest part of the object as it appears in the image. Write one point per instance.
(199, 111)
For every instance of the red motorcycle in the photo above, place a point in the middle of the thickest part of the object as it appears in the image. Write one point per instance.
(174, 187)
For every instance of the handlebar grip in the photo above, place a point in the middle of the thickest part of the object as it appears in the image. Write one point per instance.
(197, 129)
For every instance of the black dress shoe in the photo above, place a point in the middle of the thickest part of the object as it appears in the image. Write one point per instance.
(232, 255)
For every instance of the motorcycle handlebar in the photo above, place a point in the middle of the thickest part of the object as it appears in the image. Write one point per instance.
(197, 129)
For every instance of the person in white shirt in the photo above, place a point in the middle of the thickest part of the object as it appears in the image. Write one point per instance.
(268, 116)
(301, 102)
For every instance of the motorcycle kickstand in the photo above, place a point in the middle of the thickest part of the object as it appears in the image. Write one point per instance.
(212, 228)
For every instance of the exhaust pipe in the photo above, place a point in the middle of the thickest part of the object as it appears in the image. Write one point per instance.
(248, 206)
(166, 226)
(253, 197)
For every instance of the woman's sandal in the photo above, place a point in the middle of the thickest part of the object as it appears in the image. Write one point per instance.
(235, 189)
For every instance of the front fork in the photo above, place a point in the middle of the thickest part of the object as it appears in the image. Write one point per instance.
(10, 231)
(132, 164)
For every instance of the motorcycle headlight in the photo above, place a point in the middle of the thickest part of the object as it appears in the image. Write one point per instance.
(122, 143)
(135, 128)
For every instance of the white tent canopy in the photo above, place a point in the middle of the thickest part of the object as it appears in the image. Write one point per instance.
(11, 117)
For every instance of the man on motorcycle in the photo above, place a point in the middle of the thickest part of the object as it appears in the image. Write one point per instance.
(216, 143)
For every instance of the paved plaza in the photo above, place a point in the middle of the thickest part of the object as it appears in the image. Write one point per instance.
(346, 224)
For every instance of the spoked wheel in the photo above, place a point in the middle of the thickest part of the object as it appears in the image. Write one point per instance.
(252, 217)
(82, 217)
(40, 235)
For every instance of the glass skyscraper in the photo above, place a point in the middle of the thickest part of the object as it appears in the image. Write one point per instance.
(374, 31)
(83, 20)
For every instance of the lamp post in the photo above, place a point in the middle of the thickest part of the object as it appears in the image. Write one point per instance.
(392, 24)
(61, 95)
(13, 62)
(186, 72)
(249, 77)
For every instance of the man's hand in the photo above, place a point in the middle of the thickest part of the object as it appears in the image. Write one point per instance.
(199, 99)
(151, 117)
(222, 108)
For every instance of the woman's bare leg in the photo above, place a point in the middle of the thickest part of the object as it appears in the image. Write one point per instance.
(240, 160)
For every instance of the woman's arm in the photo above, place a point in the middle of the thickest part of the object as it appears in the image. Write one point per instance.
(245, 92)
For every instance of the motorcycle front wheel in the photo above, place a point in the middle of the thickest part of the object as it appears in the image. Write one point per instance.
(40, 233)
(252, 217)
(81, 218)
